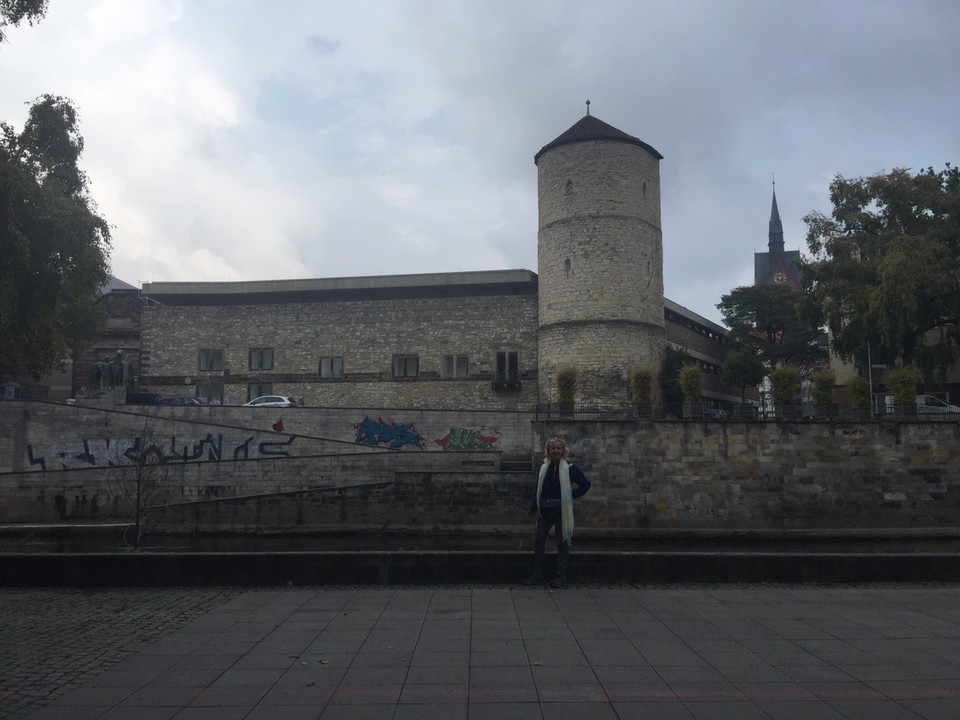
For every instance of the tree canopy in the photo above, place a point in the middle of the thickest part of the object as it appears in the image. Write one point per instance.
(766, 320)
(743, 369)
(53, 243)
(669, 377)
(13, 12)
(884, 271)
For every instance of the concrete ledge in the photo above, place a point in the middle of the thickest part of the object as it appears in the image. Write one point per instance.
(135, 569)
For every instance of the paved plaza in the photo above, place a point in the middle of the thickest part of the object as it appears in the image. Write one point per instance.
(704, 652)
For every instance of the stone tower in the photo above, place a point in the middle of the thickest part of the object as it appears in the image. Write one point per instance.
(600, 262)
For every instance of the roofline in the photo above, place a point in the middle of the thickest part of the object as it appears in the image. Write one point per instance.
(590, 128)
(255, 292)
(691, 315)
(573, 141)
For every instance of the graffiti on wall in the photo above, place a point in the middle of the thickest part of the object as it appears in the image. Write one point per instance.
(107, 452)
(463, 439)
(394, 435)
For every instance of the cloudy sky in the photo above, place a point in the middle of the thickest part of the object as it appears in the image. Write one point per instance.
(237, 139)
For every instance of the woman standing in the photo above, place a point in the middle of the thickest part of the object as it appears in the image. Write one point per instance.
(558, 483)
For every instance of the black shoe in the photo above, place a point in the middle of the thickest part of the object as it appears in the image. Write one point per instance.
(558, 582)
(533, 580)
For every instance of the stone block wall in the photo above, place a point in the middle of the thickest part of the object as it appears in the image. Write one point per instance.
(233, 475)
(365, 334)
(603, 375)
(769, 476)
(600, 265)
(599, 248)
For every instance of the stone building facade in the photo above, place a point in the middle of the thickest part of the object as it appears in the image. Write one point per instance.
(486, 339)
(416, 341)
(121, 305)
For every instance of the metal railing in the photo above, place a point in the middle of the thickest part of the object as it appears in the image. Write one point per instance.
(730, 412)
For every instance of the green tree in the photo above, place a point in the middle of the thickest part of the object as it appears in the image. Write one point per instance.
(669, 378)
(53, 243)
(902, 383)
(566, 384)
(743, 369)
(767, 320)
(883, 272)
(823, 384)
(784, 385)
(641, 386)
(691, 384)
(13, 12)
(859, 389)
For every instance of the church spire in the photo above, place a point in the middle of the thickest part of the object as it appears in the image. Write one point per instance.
(775, 242)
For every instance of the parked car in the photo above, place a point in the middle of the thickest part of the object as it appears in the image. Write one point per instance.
(272, 401)
(180, 400)
(143, 399)
(926, 404)
(716, 414)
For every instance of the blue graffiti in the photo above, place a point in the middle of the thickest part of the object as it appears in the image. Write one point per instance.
(378, 432)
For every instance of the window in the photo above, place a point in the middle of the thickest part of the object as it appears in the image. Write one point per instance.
(211, 360)
(210, 393)
(331, 368)
(455, 366)
(508, 370)
(261, 358)
(255, 390)
(406, 366)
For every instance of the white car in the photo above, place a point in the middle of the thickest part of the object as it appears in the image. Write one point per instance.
(926, 404)
(272, 401)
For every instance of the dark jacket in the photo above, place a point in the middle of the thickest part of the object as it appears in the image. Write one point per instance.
(551, 486)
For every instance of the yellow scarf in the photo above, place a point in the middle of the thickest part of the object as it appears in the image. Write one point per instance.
(566, 498)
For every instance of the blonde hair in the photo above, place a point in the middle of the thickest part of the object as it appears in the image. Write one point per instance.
(563, 444)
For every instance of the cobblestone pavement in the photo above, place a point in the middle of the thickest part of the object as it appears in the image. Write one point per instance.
(685, 652)
(53, 640)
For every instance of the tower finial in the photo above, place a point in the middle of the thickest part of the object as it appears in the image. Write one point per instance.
(588, 106)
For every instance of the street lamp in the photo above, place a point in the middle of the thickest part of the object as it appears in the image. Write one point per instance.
(303, 373)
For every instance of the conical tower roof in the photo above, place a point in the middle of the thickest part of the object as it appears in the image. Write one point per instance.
(775, 234)
(590, 128)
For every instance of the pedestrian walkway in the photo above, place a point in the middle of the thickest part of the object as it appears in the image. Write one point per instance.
(703, 652)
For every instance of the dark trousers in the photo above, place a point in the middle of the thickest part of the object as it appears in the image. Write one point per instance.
(549, 519)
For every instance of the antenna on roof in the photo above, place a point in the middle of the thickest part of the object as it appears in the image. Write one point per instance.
(588, 106)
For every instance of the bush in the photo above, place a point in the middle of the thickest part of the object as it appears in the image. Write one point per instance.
(823, 383)
(784, 382)
(859, 393)
(566, 384)
(902, 383)
(641, 386)
(691, 384)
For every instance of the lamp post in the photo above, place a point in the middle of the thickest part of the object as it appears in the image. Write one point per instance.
(303, 374)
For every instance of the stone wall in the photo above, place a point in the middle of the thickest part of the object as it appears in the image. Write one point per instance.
(330, 470)
(365, 334)
(768, 475)
(600, 265)
(227, 464)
